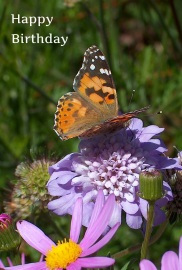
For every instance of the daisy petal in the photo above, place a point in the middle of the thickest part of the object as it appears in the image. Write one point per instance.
(100, 223)
(102, 242)
(74, 266)
(1, 264)
(76, 221)
(170, 261)
(29, 266)
(9, 261)
(147, 265)
(34, 236)
(96, 262)
(97, 209)
(180, 252)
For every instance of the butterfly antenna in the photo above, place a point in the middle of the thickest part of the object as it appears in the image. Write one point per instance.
(150, 114)
(176, 148)
(133, 91)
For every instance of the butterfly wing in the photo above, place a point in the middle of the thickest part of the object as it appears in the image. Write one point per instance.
(94, 83)
(74, 116)
(93, 101)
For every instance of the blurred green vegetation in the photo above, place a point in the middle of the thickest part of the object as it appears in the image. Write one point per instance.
(143, 44)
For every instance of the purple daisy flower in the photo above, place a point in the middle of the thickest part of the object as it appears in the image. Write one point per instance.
(69, 254)
(170, 261)
(113, 163)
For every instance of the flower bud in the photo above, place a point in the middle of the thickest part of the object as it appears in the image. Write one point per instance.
(30, 192)
(151, 185)
(9, 238)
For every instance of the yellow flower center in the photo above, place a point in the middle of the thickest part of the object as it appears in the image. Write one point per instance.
(63, 254)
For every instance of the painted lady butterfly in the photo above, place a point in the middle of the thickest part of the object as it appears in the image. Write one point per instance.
(93, 108)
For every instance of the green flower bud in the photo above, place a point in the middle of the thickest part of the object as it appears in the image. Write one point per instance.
(30, 195)
(151, 185)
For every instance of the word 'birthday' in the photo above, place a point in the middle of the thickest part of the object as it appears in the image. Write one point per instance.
(36, 38)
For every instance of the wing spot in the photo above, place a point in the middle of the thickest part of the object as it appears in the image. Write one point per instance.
(111, 96)
(70, 104)
(102, 71)
(102, 57)
(92, 67)
(68, 109)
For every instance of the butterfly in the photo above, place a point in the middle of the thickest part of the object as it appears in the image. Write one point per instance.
(93, 108)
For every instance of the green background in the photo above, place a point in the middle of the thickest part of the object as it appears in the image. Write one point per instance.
(142, 41)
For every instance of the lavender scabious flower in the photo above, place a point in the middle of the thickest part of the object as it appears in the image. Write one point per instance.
(170, 261)
(111, 162)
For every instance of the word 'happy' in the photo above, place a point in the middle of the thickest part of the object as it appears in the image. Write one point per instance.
(36, 38)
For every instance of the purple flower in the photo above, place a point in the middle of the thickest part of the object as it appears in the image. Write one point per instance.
(22, 261)
(170, 261)
(69, 254)
(112, 163)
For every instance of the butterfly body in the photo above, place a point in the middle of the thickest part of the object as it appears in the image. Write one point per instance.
(93, 108)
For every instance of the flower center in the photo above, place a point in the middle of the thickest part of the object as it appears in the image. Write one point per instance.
(63, 254)
(114, 165)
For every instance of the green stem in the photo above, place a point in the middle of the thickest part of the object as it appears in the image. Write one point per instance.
(150, 218)
(126, 251)
(137, 247)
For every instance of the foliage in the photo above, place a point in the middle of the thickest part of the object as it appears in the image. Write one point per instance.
(143, 44)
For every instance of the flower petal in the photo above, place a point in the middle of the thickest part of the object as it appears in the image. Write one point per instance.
(134, 221)
(102, 242)
(74, 266)
(147, 265)
(62, 177)
(63, 164)
(136, 124)
(180, 252)
(129, 208)
(100, 224)
(76, 221)
(96, 262)
(97, 209)
(116, 215)
(34, 236)
(9, 261)
(29, 266)
(1, 264)
(170, 261)
(60, 206)
(148, 132)
(87, 211)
